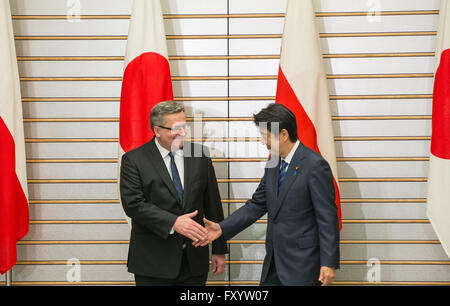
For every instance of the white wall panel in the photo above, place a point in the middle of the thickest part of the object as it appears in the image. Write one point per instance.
(410, 148)
(70, 47)
(194, 7)
(72, 150)
(385, 5)
(405, 107)
(388, 231)
(58, 273)
(71, 89)
(253, 88)
(67, 251)
(384, 210)
(198, 68)
(191, 47)
(256, 26)
(388, 65)
(383, 169)
(71, 68)
(371, 190)
(73, 191)
(71, 110)
(379, 24)
(204, 109)
(247, 108)
(380, 86)
(66, 27)
(247, 169)
(382, 127)
(56, 7)
(72, 171)
(106, 147)
(254, 67)
(256, 46)
(199, 88)
(257, 6)
(71, 130)
(78, 232)
(247, 149)
(76, 212)
(393, 251)
(389, 44)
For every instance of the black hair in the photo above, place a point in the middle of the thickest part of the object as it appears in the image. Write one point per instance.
(279, 113)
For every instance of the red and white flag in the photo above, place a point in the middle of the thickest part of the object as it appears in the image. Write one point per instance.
(146, 80)
(438, 204)
(13, 175)
(302, 84)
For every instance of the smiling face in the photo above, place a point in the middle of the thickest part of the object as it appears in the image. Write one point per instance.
(172, 134)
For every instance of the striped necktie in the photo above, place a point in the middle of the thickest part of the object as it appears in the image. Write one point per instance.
(176, 178)
(284, 166)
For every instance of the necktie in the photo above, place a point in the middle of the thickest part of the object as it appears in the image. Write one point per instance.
(176, 178)
(282, 173)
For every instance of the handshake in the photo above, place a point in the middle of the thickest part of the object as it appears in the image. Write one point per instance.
(201, 236)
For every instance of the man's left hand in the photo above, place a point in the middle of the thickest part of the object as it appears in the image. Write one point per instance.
(218, 263)
(327, 275)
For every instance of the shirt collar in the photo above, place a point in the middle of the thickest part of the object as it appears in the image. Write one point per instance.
(291, 154)
(164, 152)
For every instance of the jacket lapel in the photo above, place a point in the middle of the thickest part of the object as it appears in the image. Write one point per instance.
(160, 166)
(272, 182)
(188, 168)
(291, 175)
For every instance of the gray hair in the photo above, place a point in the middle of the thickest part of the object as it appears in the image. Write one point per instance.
(164, 108)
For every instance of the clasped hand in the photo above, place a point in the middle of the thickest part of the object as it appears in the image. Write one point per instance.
(201, 236)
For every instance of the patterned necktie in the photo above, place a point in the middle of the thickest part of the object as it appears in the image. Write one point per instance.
(282, 173)
(176, 178)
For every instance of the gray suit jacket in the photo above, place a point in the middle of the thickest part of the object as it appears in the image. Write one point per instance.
(303, 226)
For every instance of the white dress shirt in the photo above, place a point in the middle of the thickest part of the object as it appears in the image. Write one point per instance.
(179, 161)
(289, 157)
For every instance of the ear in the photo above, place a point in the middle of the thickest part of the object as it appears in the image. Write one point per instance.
(156, 131)
(284, 135)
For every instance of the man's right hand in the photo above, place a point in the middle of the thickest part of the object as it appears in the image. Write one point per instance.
(187, 227)
(213, 232)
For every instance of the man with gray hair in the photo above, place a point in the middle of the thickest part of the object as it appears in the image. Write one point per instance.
(166, 191)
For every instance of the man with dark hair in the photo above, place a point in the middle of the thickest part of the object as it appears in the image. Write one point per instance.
(166, 191)
(302, 238)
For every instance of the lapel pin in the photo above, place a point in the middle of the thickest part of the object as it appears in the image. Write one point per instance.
(296, 169)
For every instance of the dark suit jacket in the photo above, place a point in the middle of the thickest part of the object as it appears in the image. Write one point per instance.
(303, 226)
(150, 199)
